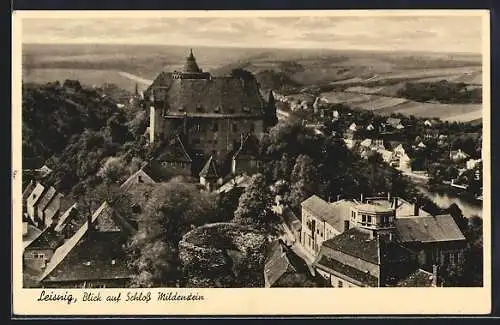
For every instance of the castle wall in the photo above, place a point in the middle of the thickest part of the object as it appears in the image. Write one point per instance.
(217, 136)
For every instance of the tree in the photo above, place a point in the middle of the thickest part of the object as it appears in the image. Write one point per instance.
(113, 170)
(304, 181)
(172, 209)
(254, 205)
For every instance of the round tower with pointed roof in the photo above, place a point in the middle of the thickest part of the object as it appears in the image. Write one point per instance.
(191, 66)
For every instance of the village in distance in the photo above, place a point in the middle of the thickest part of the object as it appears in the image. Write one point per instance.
(261, 172)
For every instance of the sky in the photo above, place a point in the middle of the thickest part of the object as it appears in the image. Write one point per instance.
(411, 33)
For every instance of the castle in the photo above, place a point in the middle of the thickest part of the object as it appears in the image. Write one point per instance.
(211, 116)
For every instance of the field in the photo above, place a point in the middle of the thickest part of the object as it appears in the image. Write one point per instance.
(385, 105)
(367, 80)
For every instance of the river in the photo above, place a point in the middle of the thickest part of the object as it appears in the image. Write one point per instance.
(469, 207)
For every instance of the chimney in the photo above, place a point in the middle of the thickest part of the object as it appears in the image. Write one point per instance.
(338, 197)
(346, 225)
(389, 196)
(434, 275)
(416, 209)
(361, 198)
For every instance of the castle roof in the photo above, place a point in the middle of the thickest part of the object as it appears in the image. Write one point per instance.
(210, 169)
(205, 94)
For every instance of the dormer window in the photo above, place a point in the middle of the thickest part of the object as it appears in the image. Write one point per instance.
(87, 263)
(246, 109)
(113, 262)
(181, 109)
(217, 109)
(199, 108)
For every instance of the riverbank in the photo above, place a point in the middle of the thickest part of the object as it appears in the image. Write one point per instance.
(444, 197)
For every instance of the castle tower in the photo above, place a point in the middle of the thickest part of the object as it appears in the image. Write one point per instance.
(191, 66)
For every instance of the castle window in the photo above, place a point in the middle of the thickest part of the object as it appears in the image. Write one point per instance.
(215, 127)
(234, 127)
(252, 127)
(340, 284)
(197, 127)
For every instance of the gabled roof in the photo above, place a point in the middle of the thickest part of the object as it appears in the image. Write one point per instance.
(419, 278)
(32, 234)
(97, 256)
(330, 264)
(332, 213)
(54, 206)
(279, 261)
(357, 243)
(49, 195)
(28, 190)
(210, 169)
(142, 173)
(35, 196)
(428, 229)
(64, 218)
(101, 217)
(48, 239)
(174, 151)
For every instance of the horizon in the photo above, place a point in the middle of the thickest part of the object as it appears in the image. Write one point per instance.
(433, 34)
(195, 47)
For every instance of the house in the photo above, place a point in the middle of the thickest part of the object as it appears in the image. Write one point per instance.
(322, 220)
(209, 175)
(472, 163)
(241, 181)
(428, 123)
(139, 177)
(66, 218)
(33, 199)
(44, 202)
(283, 266)
(246, 158)
(400, 158)
(39, 252)
(420, 278)
(421, 145)
(52, 211)
(458, 155)
(30, 233)
(370, 127)
(94, 257)
(357, 258)
(352, 131)
(174, 159)
(437, 240)
(389, 243)
(394, 123)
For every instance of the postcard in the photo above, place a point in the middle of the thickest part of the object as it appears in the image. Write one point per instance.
(251, 162)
